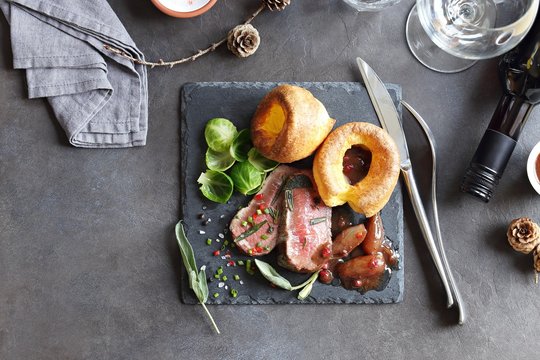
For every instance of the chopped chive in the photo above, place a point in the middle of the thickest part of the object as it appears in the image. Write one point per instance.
(219, 270)
(259, 244)
(250, 219)
(266, 211)
(216, 295)
(226, 242)
(216, 276)
(208, 241)
(240, 262)
(259, 212)
(248, 267)
(250, 252)
(264, 236)
(234, 293)
(267, 248)
(316, 221)
(244, 223)
(224, 278)
(236, 277)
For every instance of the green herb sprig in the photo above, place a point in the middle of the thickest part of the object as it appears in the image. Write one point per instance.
(273, 276)
(197, 280)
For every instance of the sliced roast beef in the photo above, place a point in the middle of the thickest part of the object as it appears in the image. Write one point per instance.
(255, 227)
(305, 238)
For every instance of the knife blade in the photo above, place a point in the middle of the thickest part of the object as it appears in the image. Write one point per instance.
(389, 118)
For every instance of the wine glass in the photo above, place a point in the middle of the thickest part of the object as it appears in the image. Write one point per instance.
(370, 5)
(450, 35)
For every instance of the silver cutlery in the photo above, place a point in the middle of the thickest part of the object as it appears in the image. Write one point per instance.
(389, 118)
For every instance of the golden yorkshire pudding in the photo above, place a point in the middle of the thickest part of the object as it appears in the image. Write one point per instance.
(289, 124)
(358, 163)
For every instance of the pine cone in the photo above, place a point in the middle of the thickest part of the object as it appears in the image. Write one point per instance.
(536, 254)
(243, 40)
(523, 235)
(276, 4)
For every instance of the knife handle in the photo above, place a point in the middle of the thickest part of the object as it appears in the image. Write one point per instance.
(420, 212)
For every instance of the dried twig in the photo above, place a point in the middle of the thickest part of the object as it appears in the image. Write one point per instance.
(193, 57)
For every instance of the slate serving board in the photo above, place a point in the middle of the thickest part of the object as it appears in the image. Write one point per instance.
(345, 101)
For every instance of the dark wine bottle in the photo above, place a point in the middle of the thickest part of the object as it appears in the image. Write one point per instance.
(519, 70)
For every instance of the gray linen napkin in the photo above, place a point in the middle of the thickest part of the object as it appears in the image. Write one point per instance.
(100, 100)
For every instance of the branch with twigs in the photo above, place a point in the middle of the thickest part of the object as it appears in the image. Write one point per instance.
(193, 57)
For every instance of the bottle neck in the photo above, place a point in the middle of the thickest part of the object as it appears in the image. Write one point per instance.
(510, 116)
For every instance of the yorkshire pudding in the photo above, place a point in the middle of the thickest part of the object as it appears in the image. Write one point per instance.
(368, 195)
(289, 124)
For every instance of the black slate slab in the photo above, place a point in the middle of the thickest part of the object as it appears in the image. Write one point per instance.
(345, 101)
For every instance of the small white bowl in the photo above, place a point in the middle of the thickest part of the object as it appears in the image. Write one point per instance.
(531, 168)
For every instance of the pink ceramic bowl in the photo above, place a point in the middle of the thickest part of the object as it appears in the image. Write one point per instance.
(184, 8)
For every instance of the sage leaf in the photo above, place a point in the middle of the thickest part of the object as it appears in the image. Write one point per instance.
(203, 285)
(272, 275)
(312, 278)
(197, 280)
(188, 257)
(304, 293)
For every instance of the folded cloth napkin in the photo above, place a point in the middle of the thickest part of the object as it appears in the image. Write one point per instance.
(100, 99)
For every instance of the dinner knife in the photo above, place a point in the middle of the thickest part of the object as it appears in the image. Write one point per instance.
(389, 119)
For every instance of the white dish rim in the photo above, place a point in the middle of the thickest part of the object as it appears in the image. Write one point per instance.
(531, 167)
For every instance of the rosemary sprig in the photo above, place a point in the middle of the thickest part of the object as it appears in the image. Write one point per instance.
(289, 200)
(197, 280)
(274, 214)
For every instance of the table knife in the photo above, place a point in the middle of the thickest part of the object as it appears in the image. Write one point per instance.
(389, 119)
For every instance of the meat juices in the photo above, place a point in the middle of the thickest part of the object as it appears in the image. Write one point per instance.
(305, 238)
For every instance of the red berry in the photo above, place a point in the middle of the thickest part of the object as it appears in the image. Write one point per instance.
(259, 197)
(376, 263)
(326, 252)
(357, 283)
(216, 253)
(326, 277)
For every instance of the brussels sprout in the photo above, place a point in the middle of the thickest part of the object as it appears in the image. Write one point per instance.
(219, 134)
(218, 160)
(246, 177)
(241, 145)
(216, 186)
(258, 188)
(260, 162)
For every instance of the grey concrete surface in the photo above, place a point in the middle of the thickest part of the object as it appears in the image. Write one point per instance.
(89, 266)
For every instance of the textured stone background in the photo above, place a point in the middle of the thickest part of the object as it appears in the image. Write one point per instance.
(82, 279)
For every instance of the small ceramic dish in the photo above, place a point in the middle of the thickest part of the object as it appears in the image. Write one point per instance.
(184, 8)
(533, 167)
